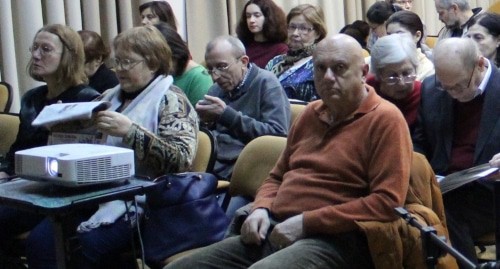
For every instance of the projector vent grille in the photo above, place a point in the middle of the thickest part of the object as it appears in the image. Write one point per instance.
(100, 169)
(19, 164)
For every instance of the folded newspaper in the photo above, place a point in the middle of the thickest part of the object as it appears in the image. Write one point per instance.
(57, 113)
(460, 178)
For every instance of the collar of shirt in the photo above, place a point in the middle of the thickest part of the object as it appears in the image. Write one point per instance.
(242, 83)
(486, 78)
(237, 91)
(370, 103)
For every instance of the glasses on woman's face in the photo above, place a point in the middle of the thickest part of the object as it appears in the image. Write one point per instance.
(44, 49)
(301, 28)
(124, 64)
(393, 80)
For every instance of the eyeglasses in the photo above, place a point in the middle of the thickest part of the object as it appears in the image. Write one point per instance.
(221, 68)
(395, 80)
(457, 87)
(403, 2)
(125, 64)
(44, 49)
(302, 29)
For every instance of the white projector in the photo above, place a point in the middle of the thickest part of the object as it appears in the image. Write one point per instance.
(75, 164)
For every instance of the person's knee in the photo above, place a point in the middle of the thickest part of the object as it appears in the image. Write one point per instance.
(41, 237)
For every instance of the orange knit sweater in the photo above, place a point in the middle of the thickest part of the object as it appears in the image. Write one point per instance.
(357, 170)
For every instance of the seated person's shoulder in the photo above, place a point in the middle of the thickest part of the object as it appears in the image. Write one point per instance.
(84, 93)
(175, 95)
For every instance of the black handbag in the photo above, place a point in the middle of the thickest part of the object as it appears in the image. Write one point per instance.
(183, 213)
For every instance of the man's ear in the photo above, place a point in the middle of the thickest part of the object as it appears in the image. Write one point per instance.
(245, 59)
(481, 63)
(366, 68)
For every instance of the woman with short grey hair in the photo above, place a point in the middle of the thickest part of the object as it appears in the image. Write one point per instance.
(394, 62)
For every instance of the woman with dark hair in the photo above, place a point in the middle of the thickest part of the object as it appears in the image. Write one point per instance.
(485, 31)
(306, 27)
(376, 15)
(262, 29)
(408, 22)
(57, 58)
(359, 30)
(100, 77)
(188, 75)
(156, 11)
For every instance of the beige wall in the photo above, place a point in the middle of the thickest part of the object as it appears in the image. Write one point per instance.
(199, 21)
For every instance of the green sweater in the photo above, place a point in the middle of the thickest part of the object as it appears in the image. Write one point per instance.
(195, 83)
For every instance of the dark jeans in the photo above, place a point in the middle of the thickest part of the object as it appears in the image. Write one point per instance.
(100, 248)
(348, 250)
(13, 223)
(469, 214)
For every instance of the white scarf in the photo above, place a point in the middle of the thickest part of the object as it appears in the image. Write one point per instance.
(143, 110)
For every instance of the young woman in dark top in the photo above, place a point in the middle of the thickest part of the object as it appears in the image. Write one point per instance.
(156, 11)
(262, 29)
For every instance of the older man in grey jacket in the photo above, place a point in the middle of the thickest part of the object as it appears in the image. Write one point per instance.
(245, 102)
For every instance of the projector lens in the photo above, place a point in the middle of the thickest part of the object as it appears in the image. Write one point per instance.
(53, 167)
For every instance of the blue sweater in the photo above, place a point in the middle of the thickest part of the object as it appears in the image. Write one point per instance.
(260, 107)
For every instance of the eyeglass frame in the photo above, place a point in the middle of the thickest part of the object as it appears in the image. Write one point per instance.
(44, 49)
(403, 2)
(119, 63)
(405, 79)
(441, 88)
(302, 29)
(44, 52)
(218, 70)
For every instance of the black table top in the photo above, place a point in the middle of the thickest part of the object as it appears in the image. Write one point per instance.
(46, 198)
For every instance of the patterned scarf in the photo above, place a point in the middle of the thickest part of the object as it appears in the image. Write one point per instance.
(292, 57)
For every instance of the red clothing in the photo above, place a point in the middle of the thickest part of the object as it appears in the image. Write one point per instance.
(356, 170)
(466, 130)
(408, 106)
(261, 52)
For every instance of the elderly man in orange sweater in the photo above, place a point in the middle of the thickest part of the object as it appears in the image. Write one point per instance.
(347, 159)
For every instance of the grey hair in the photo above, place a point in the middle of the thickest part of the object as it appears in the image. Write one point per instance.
(391, 49)
(462, 4)
(236, 44)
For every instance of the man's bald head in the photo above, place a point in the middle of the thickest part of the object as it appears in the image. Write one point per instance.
(343, 42)
(459, 67)
(455, 53)
(339, 71)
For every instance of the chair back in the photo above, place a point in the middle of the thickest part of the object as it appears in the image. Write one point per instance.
(495, 7)
(366, 53)
(254, 164)
(206, 152)
(5, 96)
(295, 110)
(9, 126)
(431, 41)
